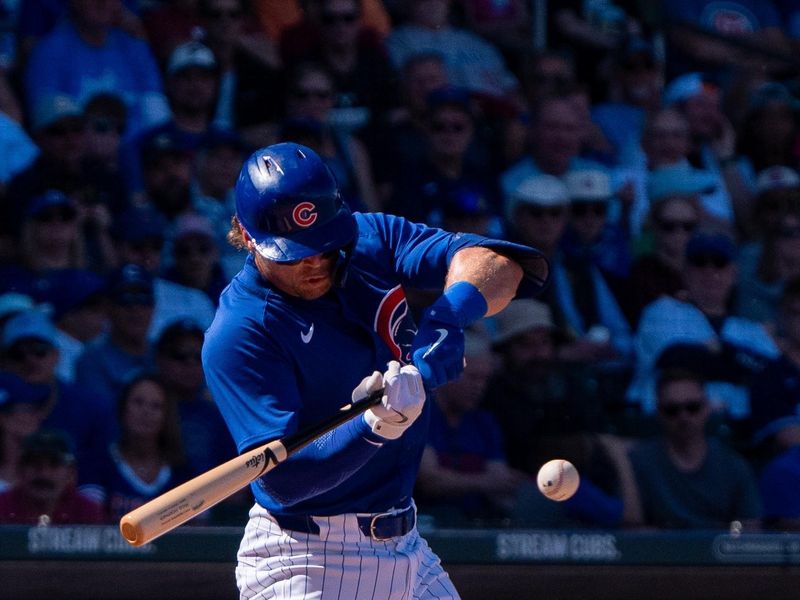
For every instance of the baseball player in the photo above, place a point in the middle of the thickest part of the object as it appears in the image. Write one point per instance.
(318, 317)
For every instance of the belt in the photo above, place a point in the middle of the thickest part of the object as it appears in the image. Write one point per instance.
(379, 526)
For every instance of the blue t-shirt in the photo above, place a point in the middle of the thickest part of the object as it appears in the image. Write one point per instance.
(275, 363)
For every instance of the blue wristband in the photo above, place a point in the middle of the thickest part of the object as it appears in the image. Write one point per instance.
(460, 304)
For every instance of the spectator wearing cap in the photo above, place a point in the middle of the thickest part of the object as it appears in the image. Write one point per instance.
(31, 350)
(465, 208)
(579, 296)
(703, 316)
(196, 257)
(20, 416)
(148, 457)
(45, 493)
(464, 475)
(713, 142)
(192, 82)
(454, 156)
(86, 53)
(109, 361)
(556, 134)
(59, 128)
(141, 234)
(547, 408)
(177, 363)
(589, 235)
(309, 99)
(217, 167)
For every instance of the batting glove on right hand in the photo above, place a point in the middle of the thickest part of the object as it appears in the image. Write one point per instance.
(403, 399)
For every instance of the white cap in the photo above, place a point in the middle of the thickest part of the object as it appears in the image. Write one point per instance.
(521, 316)
(191, 54)
(777, 177)
(591, 185)
(540, 190)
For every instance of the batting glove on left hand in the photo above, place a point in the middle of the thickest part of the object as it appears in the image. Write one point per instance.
(404, 397)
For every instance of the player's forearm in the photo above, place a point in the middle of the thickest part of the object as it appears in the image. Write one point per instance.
(323, 465)
(496, 277)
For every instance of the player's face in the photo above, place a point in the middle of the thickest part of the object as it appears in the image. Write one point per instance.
(309, 279)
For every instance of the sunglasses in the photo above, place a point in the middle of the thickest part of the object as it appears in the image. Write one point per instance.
(583, 209)
(184, 250)
(308, 94)
(334, 18)
(671, 226)
(184, 356)
(448, 127)
(539, 212)
(673, 409)
(703, 261)
(55, 216)
(36, 349)
(325, 255)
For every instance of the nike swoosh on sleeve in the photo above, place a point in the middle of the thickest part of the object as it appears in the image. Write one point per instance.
(307, 335)
(442, 335)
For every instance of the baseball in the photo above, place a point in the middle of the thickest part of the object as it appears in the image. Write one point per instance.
(558, 479)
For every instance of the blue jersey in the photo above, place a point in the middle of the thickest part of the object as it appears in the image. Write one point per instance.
(276, 363)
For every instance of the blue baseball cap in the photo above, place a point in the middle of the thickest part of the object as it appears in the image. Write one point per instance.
(679, 180)
(139, 223)
(714, 243)
(15, 391)
(31, 324)
(130, 285)
(49, 110)
(48, 199)
(72, 288)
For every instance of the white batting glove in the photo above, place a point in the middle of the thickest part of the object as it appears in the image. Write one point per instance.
(404, 396)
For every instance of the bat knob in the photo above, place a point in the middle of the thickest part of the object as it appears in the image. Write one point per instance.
(130, 532)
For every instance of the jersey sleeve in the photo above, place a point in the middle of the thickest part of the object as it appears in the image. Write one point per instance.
(422, 254)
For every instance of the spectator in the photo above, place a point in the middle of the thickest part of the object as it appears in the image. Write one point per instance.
(464, 475)
(217, 167)
(355, 57)
(177, 358)
(108, 362)
(140, 233)
(775, 393)
(309, 101)
(192, 81)
(106, 117)
(20, 416)
(472, 62)
(148, 458)
(658, 271)
(687, 479)
(762, 278)
(583, 304)
(453, 156)
(196, 257)
(703, 317)
(30, 351)
(249, 67)
(777, 192)
(555, 137)
(45, 493)
(86, 53)
(465, 208)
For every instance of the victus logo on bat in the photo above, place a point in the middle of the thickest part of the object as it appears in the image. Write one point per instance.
(257, 460)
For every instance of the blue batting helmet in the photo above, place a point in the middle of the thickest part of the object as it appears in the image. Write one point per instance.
(288, 202)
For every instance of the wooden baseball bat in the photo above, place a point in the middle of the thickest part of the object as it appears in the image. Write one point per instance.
(173, 508)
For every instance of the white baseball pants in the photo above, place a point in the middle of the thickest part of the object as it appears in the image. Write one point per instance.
(340, 563)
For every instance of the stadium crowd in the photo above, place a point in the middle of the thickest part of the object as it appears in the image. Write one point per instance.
(651, 150)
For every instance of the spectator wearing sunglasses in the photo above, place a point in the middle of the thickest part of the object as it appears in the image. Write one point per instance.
(177, 363)
(30, 345)
(687, 479)
(703, 315)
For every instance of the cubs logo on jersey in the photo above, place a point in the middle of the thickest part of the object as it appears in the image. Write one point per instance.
(394, 325)
(304, 214)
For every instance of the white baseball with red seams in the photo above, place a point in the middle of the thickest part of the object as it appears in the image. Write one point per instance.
(558, 479)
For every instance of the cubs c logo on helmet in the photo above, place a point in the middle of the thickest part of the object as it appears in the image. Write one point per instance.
(304, 214)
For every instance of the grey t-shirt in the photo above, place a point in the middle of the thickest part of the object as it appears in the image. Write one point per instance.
(722, 490)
